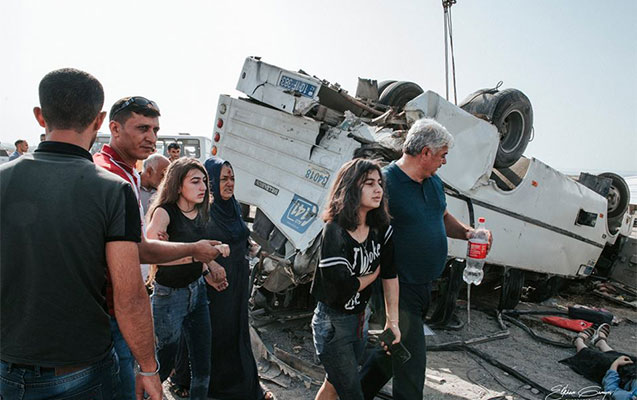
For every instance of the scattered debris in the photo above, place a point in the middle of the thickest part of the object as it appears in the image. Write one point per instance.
(617, 293)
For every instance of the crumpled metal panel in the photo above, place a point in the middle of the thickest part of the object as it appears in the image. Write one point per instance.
(471, 157)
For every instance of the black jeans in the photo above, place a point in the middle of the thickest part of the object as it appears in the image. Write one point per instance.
(409, 378)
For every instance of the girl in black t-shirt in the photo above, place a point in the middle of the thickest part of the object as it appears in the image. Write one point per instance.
(179, 300)
(356, 248)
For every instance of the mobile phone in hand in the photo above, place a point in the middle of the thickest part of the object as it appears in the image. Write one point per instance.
(397, 350)
(387, 337)
(400, 352)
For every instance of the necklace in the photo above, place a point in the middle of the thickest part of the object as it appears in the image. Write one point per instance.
(186, 211)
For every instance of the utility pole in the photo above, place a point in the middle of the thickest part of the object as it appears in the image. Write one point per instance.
(446, 6)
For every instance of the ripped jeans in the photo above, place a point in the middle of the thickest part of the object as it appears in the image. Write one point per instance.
(178, 311)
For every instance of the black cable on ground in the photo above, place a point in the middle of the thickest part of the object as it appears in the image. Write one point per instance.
(500, 316)
(518, 375)
(530, 331)
(533, 312)
(494, 377)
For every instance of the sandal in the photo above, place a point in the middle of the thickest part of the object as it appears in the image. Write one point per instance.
(601, 333)
(178, 390)
(586, 335)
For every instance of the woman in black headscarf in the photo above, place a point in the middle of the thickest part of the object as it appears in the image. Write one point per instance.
(234, 371)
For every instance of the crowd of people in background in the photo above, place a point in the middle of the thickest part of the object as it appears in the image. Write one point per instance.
(84, 239)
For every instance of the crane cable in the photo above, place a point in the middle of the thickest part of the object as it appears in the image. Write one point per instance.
(446, 5)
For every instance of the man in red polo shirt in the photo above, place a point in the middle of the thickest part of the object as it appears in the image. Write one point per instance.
(134, 123)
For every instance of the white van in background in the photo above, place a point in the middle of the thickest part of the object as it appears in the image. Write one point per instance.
(199, 147)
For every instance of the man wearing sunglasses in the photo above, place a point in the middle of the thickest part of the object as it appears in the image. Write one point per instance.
(75, 223)
(134, 123)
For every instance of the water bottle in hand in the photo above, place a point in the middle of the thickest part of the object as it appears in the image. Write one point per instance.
(476, 253)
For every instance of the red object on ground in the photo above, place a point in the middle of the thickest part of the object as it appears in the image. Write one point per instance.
(576, 325)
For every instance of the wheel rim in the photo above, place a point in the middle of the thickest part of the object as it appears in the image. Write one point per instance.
(613, 199)
(512, 131)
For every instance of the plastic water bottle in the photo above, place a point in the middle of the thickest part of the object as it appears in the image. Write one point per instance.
(476, 253)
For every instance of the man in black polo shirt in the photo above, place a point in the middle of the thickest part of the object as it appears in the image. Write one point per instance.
(63, 223)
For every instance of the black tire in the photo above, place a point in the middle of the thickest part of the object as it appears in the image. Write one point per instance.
(449, 286)
(383, 85)
(512, 284)
(513, 116)
(399, 93)
(545, 288)
(618, 196)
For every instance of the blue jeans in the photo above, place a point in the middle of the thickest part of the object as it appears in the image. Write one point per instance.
(178, 311)
(339, 340)
(409, 378)
(126, 382)
(97, 381)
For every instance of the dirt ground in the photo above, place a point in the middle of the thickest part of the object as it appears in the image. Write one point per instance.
(461, 374)
(288, 367)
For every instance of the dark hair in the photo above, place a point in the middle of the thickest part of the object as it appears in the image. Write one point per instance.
(70, 99)
(123, 115)
(344, 199)
(168, 191)
(627, 373)
(173, 145)
(18, 142)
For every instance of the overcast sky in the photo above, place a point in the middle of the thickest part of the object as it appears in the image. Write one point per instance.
(575, 60)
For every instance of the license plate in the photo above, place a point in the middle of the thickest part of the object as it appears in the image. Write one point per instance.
(296, 85)
(319, 177)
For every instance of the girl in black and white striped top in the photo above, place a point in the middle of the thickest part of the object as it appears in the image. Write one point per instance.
(356, 248)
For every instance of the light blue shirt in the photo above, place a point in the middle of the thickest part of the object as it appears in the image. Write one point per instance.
(611, 385)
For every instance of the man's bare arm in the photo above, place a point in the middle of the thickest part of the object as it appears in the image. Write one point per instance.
(132, 309)
(153, 251)
(456, 229)
(159, 252)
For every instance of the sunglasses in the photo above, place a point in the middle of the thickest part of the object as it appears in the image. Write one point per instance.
(138, 100)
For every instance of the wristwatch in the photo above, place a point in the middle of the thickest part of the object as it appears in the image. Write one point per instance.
(138, 369)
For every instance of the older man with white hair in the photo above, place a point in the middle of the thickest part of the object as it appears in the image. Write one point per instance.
(421, 225)
(153, 170)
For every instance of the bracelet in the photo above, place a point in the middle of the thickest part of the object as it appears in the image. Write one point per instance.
(206, 272)
(142, 373)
